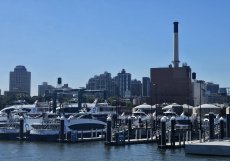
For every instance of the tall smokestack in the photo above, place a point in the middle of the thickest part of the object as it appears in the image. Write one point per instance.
(175, 46)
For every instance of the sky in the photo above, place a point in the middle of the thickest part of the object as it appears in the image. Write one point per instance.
(77, 39)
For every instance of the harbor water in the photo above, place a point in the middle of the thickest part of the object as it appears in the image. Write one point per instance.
(93, 151)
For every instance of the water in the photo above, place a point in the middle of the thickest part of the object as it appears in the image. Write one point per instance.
(96, 151)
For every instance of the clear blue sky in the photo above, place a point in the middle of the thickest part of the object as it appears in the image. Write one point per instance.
(77, 39)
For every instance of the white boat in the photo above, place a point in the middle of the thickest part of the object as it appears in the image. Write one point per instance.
(102, 110)
(98, 110)
(3, 117)
(70, 108)
(84, 121)
(31, 109)
(9, 130)
(81, 124)
(46, 130)
(145, 108)
(181, 120)
(139, 117)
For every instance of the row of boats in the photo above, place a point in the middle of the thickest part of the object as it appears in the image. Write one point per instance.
(37, 122)
(41, 124)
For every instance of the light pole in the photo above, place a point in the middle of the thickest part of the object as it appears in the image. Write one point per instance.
(200, 81)
(151, 100)
(155, 85)
(200, 110)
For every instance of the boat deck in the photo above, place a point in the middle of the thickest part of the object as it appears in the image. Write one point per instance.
(215, 147)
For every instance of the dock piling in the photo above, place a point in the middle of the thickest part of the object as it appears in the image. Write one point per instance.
(211, 126)
(228, 125)
(129, 128)
(173, 123)
(221, 128)
(163, 131)
(62, 134)
(109, 130)
(21, 130)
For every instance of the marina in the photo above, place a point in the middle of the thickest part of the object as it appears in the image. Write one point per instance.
(167, 131)
(114, 80)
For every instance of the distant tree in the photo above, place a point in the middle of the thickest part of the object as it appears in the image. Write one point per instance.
(9, 100)
(112, 100)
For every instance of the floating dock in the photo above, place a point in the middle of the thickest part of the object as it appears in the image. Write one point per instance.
(170, 146)
(81, 140)
(131, 141)
(216, 147)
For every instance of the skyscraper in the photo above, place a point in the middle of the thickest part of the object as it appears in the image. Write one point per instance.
(145, 86)
(20, 80)
(123, 81)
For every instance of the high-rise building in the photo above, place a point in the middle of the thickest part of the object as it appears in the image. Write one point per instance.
(101, 82)
(20, 80)
(123, 81)
(44, 89)
(115, 88)
(136, 88)
(145, 87)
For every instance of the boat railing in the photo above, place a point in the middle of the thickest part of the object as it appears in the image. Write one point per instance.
(10, 126)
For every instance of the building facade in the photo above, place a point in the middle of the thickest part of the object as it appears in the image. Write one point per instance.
(45, 89)
(200, 95)
(136, 88)
(212, 88)
(123, 82)
(101, 82)
(20, 80)
(145, 87)
(171, 85)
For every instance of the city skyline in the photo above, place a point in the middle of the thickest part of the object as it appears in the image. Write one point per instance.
(76, 40)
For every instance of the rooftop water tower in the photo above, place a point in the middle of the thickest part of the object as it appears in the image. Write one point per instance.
(59, 82)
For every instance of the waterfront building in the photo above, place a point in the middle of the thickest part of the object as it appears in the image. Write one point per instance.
(171, 85)
(145, 87)
(101, 82)
(123, 81)
(136, 88)
(20, 80)
(44, 89)
(200, 95)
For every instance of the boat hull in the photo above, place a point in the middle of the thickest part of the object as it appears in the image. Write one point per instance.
(9, 136)
(44, 138)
